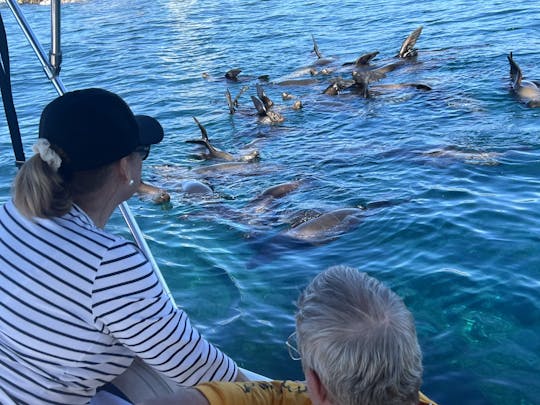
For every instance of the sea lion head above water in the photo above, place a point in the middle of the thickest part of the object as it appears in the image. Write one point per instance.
(156, 194)
(275, 117)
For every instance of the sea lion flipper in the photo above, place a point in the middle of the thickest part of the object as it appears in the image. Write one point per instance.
(215, 152)
(407, 48)
(515, 71)
(264, 98)
(259, 105)
(198, 141)
(204, 140)
(203, 129)
(260, 91)
(316, 47)
(233, 74)
(230, 102)
(331, 90)
(242, 91)
(376, 75)
(389, 67)
(369, 76)
(421, 86)
(418, 86)
(366, 58)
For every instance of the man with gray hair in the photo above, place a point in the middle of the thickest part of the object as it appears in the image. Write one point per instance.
(358, 346)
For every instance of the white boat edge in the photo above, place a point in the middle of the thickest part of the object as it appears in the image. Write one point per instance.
(140, 382)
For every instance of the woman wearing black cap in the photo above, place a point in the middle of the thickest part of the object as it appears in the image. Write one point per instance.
(78, 304)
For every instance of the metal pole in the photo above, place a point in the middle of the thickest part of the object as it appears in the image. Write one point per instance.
(55, 54)
(141, 242)
(50, 72)
(36, 46)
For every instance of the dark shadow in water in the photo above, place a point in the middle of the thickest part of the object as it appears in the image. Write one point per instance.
(463, 380)
(221, 302)
(269, 247)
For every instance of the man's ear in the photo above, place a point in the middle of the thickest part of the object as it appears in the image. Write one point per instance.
(317, 391)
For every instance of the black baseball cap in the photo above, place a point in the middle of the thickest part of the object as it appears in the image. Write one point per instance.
(91, 128)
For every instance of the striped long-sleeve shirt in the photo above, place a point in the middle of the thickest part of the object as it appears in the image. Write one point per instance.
(77, 304)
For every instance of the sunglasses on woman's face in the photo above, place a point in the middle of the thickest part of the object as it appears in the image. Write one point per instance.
(143, 150)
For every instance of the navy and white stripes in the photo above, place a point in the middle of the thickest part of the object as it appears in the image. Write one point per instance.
(77, 304)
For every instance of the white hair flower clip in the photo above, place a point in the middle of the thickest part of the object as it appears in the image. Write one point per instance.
(47, 154)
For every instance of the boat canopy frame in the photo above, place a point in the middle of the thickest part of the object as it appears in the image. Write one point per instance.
(52, 66)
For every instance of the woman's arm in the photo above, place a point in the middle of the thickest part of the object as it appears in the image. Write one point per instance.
(129, 303)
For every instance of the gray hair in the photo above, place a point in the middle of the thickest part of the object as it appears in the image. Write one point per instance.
(40, 191)
(360, 339)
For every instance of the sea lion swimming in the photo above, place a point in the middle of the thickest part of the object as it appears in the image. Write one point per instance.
(232, 74)
(227, 167)
(194, 187)
(286, 96)
(156, 194)
(320, 59)
(217, 153)
(266, 198)
(466, 155)
(362, 80)
(298, 82)
(264, 105)
(299, 217)
(324, 71)
(327, 225)
(406, 51)
(363, 74)
(337, 85)
(297, 105)
(527, 90)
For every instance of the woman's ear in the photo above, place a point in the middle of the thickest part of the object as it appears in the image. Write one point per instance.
(124, 169)
(317, 391)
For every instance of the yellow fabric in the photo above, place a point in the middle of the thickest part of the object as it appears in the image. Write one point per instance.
(255, 392)
(264, 393)
(425, 400)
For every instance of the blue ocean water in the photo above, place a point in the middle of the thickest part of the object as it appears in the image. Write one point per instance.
(449, 177)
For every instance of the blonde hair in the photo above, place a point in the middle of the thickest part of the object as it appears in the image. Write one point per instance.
(40, 191)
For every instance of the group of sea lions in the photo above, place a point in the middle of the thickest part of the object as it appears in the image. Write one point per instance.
(363, 75)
